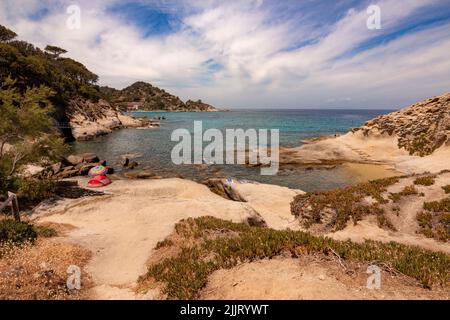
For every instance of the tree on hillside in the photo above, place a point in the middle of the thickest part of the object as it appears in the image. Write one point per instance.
(6, 34)
(55, 51)
(27, 134)
(77, 71)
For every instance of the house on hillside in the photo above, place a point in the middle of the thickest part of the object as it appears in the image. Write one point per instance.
(134, 106)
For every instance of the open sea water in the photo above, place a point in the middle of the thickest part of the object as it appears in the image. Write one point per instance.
(153, 146)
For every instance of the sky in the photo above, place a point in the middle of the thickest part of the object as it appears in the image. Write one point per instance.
(253, 53)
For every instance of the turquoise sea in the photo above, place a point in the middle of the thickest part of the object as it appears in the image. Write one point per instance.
(154, 145)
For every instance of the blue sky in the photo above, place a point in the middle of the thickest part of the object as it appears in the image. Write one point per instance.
(254, 53)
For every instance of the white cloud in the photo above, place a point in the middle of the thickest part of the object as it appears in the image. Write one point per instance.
(258, 67)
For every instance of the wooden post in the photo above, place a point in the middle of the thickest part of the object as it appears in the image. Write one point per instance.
(14, 206)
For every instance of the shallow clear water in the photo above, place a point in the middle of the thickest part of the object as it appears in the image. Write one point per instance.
(154, 145)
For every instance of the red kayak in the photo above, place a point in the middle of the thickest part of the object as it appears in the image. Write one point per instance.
(99, 181)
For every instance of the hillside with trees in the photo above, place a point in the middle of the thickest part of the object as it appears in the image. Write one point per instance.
(147, 97)
(42, 91)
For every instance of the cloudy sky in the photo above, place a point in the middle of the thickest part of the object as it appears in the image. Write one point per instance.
(279, 54)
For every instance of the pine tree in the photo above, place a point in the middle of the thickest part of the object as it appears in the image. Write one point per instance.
(6, 34)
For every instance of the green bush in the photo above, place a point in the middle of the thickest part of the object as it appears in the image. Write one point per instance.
(35, 189)
(438, 206)
(434, 222)
(344, 203)
(45, 232)
(425, 181)
(407, 191)
(16, 232)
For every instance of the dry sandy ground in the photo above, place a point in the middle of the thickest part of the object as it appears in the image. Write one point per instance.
(271, 202)
(122, 228)
(309, 278)
(381, 149)
(363, 172)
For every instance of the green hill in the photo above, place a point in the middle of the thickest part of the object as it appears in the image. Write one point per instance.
(148, 97)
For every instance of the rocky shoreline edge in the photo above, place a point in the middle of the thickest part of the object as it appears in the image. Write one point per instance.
(88, 120)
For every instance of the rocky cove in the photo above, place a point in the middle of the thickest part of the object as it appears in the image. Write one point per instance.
(132, 226)
(94, 207)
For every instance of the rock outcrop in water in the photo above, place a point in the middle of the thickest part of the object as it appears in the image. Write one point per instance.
(420, 128)
(144, 96)
(90, 119)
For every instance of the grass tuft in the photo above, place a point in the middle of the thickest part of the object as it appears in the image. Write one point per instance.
(342, 204)
(16, 232)
(425, 180)
(446, 188)
(46, 232)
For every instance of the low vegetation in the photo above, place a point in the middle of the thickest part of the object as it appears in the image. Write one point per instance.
(425, 180)
(407, 191)
(446, 188)
(45, 232)
(434, 221)
(16, 232)
(438, 206)
(384, 222)
(341, 205)
(164, 243)
(208, 244)
(39, 271)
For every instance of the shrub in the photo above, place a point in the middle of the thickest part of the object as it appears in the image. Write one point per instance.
(35, 189)
(384, 222)
(45, 232)
(164, 243)
(434, 222)
(344, 204)
(425, 181)
(407, 191)
(438, 206)
(16, 232)
(446, 188)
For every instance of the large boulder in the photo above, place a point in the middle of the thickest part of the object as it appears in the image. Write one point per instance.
(90, 157)
(68, 172)
(73, 159)
(223, 189)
